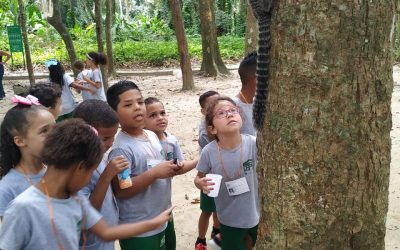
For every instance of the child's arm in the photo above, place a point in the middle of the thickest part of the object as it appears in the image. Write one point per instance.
(114, 167)
(140, 183)
(187, 165)
(76, 85)
(203, 183)
(97, 85)
(110, 233)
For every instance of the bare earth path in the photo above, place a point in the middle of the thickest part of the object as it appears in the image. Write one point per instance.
(184, 115)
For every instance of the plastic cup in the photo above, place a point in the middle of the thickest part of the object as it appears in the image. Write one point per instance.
(124, 179)
(216, 178)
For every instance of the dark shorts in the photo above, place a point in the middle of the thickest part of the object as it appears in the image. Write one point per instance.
(207, 203)
(64, 117)
(155, 242)
(170, 236)
(233, 238)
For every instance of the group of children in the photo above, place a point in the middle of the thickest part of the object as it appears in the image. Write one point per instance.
(60, 184)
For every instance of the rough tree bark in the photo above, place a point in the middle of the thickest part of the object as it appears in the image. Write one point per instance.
(99, 34)
(110, 56)
(22, 24)
(324, 152)
(212, 64)
(251, 38)
(186, 68)
(59, 26)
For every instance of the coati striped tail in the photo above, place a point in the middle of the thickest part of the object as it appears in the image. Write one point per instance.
(263, 62)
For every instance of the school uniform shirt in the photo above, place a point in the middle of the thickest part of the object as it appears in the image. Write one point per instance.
(247, 115)
(109, 208)
(86, 95)
(156, 198)
(97, 77)
(203, 136)
(68, 102)
(240, 211)
(13, 184)
(26, 222)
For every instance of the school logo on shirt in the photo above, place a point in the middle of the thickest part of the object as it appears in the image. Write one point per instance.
(247, 166)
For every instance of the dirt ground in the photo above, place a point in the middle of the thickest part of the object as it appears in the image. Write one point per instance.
(184, 116)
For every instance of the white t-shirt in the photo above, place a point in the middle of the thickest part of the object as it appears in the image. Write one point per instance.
(68, 101)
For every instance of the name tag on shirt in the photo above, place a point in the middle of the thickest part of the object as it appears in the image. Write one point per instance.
(237, 187)
(152, 163)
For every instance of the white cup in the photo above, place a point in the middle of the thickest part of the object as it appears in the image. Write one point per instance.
(216, 178)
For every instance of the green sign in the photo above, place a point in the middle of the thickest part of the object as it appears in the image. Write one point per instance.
(15, 39)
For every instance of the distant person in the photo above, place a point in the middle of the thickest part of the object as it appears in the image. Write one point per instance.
(49, 96)
(2, 63)
(80, 67)
(244, 99)
(58, 76)
(95, 81)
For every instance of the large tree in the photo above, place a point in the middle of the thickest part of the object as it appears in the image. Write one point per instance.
(324, 151)
(212, 64)
(110, 56)
(99, 35)
(56, 21)
(186, 68)
(24, 33)
(251, 37)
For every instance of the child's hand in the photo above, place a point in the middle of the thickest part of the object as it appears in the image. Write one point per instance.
(85, 78)
(164, 170)
(116, 166)
(206, 184)
(163, 217)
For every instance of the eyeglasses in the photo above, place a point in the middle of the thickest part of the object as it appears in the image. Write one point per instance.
(222, 113)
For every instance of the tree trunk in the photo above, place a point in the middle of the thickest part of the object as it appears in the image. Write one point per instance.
(110, 56)
(99, 34)
(251, 38)
(324, 152)
(187, 75)
(59, 26)
(22, 23)
(212, 64)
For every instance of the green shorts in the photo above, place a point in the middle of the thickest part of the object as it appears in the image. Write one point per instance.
(233, 238)
(65, 117)
(207, 203)
(170, 236)
(155, 242)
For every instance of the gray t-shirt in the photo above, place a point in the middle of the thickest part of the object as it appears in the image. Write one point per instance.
(155, 199)
(68, 102)
(109, 208)
(97, 77)
(26, 222)
(203, 136)
(14, 183)
(171, 148)
(241, 211)
(86, 95)
(247, 115)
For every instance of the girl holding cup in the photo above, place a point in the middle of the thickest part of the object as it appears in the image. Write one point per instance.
(233, 156)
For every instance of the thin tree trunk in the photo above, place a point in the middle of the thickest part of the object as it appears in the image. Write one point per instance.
(110, 56)
(22, 23)
(59, 26)
(99, 35)
(251, 37)
(324, 152)
(186, 68)
(212, 64)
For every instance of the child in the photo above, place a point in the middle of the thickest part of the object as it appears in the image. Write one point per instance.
(49, 96)
(150, 174)
(80, 66)
(104, 119)
(58, 76)
(23, 131)
(49, 215)
(96, 80)
(237, 202)
(247, 73)
(207, 204)
(156, 121)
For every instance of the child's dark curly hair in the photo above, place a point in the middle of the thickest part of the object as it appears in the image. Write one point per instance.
(96, 113)
(15, 122)
(97, 58)
(47, 93)
(71, 142)
(117, 89)
(56, 74)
